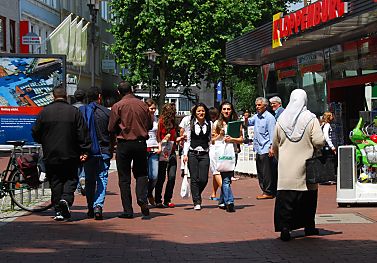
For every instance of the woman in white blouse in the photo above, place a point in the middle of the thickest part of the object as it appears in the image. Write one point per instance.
(196, 151)
(330, 147)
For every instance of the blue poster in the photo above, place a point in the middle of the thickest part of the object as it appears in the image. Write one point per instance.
(26, 84)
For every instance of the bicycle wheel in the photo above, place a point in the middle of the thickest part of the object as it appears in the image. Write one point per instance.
(30, 199)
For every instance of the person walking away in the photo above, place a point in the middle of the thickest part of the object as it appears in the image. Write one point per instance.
(130, 121)
(167, 134)
(264, 124)
(196, 152)
(61, 130)
(154, 150)
(79, 96)
(331, 142)
(227, 114)
(216, 176)
(297, 135)
(276, 106)
(184, 127)
(97, 166)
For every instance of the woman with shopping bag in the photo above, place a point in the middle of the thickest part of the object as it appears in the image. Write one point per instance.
(225, 153)
(196, 152)
(167, 135)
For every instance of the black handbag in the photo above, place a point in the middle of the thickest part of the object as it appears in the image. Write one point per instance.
(321, 169)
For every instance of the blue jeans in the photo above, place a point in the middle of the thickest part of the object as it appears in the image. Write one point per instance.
(81, 174)
(226, 196)
(153, 159)
(96, 177)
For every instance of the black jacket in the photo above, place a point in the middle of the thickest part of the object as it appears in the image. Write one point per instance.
(61, 130)
(101, 117)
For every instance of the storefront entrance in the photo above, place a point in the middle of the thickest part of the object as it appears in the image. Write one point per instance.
(353, 101)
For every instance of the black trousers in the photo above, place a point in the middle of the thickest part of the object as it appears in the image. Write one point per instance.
(171, 168)
(63, 180)
(267, 173)
(198, 165)
(295, 209)
(136, 151)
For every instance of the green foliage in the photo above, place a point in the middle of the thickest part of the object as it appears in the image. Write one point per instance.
(189, 35)
(245, 94)
(243, 84)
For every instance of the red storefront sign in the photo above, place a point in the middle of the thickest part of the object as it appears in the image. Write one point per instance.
(24, 29)
(308, 17)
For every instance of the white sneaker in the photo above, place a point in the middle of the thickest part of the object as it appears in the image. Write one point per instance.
(58, 217)
(197, 207)
(42, 177)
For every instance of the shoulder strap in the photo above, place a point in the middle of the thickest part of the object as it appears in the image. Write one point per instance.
(91, 123)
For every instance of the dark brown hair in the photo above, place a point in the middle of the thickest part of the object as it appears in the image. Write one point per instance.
(221, 120)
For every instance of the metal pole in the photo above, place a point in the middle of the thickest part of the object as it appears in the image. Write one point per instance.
(151, 79)
(93, 67)
(93, 14)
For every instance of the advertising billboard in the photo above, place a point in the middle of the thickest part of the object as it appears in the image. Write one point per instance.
(26, 83)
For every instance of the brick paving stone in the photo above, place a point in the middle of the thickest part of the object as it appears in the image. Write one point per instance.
(181, 234)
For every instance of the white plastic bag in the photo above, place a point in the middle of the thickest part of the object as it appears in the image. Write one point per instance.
(185, 187)
(225, 157)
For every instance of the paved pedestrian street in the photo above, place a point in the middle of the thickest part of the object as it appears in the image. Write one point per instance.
(181, 234)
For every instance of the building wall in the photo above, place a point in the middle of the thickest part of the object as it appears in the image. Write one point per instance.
(105, 79)
(10, 11)
(43, 17)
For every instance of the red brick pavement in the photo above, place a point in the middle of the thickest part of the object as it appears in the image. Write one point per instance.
(182, 234)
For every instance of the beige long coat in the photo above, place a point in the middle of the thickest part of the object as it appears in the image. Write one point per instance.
(292, 156)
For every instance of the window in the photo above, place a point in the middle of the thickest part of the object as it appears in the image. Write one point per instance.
(12, 36)
(51, 3)
(108, 61)
(3, 39)
(104, 10)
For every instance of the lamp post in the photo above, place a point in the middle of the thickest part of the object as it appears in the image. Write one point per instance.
(152, 55)
(93, 10)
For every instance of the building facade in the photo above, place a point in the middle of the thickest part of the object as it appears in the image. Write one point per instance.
(44, 16)
(328, 48)
(9, 26)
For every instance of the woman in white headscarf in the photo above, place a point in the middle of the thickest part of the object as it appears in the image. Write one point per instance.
(297, 134)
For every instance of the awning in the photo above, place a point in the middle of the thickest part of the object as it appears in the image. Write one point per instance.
(255, 47)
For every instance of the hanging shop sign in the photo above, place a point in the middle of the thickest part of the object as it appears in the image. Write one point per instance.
(31, 38)
(306, 18)
(310, 62)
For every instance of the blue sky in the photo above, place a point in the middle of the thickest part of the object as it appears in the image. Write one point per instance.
(295, 7)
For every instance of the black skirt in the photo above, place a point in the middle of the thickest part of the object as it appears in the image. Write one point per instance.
(295, 209)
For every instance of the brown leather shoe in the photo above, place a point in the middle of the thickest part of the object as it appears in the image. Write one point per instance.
(265, 196)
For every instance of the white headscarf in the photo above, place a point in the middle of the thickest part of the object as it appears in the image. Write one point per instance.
(296, 116)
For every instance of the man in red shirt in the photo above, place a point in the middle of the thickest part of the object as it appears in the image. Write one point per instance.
(130, 121)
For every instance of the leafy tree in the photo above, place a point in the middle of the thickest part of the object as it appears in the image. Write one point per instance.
(189, 35)
(242, 82)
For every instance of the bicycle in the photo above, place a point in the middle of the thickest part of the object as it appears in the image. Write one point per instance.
(12, 183)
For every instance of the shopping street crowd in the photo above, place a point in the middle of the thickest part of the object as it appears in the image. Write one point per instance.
(78, 141)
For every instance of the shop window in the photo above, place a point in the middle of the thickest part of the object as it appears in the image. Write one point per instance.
(108, 60)
(343, 60)
(3, 39)
(306, 71)
(12, 36)
(351, 59)
(368, 55)
(105, 10)
(286, 77)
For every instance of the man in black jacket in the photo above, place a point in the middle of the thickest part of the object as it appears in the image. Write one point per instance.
(61, 130)
(98, 164)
